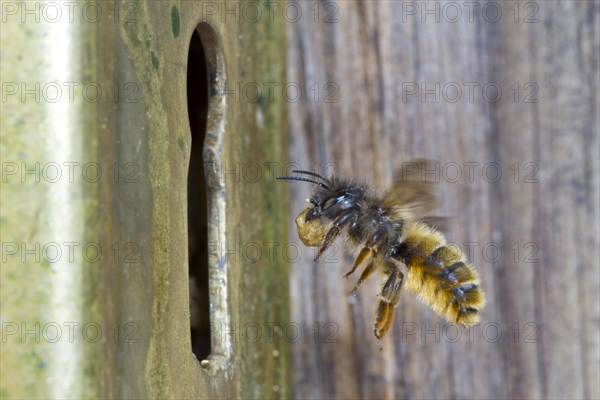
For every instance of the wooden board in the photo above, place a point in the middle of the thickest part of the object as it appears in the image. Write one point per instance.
(394, 84)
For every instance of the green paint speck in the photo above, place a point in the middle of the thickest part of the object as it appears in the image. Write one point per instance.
(262, 100)
(181, 143)
(175, 20)
(154, 60)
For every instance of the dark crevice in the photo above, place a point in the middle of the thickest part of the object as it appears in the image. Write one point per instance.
(197, 98)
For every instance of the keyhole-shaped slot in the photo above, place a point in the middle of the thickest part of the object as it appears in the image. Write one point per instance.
(207, 194)
(198, 104)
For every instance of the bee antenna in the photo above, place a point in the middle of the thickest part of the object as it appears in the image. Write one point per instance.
(299, 171)
(298, 178)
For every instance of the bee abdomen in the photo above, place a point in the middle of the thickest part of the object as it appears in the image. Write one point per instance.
(440, 277)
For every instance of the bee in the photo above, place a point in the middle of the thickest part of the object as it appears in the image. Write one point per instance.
(388, 231)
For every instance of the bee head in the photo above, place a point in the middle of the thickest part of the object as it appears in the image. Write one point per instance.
(311, 226)
(331, 198)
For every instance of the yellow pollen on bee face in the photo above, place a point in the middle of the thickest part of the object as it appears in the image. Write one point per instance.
(311, 233)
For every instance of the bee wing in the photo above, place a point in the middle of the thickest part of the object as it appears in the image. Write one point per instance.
(439, 223)
(412, 192)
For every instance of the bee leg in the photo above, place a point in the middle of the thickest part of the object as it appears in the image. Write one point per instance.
(366, 273)
(370, 247)
(335, 230)
(391, 289)
(388, 301)
(362, 256)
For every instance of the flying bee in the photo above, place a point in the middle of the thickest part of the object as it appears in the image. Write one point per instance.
(389, 231)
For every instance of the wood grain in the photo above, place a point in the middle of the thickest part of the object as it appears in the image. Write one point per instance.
(533, 232)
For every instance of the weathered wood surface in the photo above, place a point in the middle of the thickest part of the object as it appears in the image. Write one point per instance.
(243, 292)
(538, 336)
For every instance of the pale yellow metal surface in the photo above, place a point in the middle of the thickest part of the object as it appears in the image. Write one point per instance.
(48, 218)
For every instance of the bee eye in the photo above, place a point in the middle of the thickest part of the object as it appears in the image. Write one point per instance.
(329, 202)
